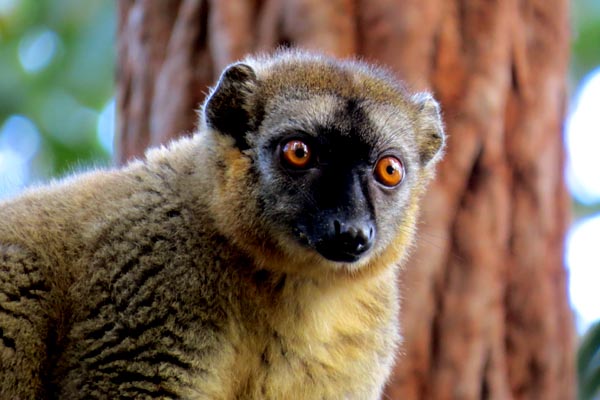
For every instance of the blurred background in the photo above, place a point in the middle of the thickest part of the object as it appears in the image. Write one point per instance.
(57, 67)
(57, 116)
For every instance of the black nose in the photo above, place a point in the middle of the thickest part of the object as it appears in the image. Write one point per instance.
(346, 242)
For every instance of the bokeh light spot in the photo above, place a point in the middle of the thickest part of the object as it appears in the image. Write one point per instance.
(106, 126)
(583, 262)
(20, 135)
(19, 143)
(583, 142)
(7, 6)
(14, 172)
(37, 49)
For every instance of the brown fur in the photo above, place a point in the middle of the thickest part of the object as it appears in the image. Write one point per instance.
(163, 279)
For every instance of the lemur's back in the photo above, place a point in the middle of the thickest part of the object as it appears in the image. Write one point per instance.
(113, 288)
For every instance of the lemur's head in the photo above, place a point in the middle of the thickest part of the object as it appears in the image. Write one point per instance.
(319, 163)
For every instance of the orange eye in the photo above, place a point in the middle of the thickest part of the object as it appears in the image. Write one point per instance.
(389, 171)
(296, 154)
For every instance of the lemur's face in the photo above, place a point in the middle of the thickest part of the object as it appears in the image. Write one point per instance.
(335, 173)
(337, 160)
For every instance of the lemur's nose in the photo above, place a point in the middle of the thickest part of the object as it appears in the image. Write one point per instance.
(347, 241)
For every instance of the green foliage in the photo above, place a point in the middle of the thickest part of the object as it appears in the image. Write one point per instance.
(588, 364)
(586, 37)
(64, 95)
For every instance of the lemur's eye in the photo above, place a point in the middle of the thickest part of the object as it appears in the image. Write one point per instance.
(389, 171)
(296, 154)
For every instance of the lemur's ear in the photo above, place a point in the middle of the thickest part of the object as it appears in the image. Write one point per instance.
(430, 128)
(228, 107)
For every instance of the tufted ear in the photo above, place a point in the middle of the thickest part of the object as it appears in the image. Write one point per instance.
(228, 107)
(430, 135)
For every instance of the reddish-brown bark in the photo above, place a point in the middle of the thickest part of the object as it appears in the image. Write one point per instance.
(485, 311)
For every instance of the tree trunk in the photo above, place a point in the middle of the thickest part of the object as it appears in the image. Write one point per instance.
(485, 311)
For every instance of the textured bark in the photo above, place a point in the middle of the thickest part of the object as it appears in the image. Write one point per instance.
(485, 311)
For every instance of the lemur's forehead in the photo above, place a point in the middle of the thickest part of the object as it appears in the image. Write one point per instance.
(313, 78)
(334, 100)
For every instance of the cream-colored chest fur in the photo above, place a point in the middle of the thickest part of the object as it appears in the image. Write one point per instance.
(332, 342)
